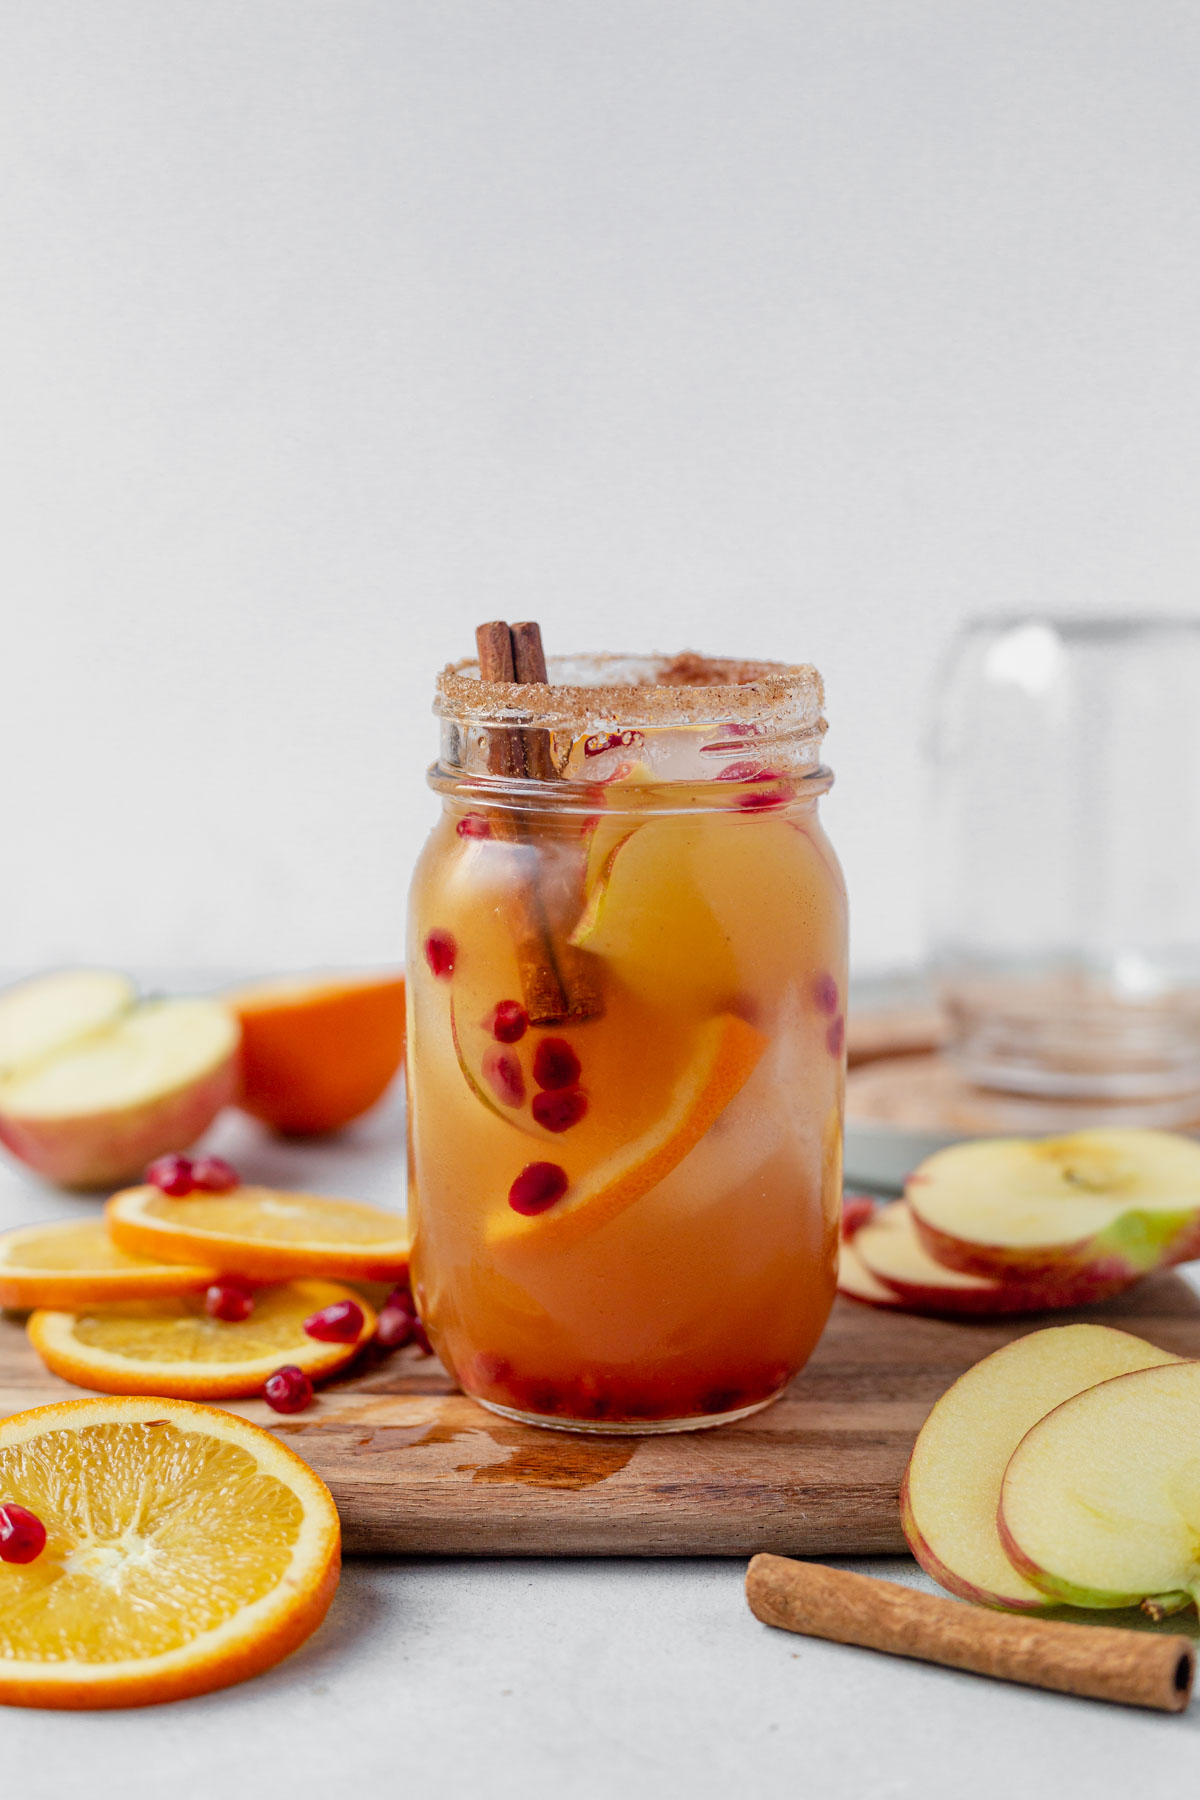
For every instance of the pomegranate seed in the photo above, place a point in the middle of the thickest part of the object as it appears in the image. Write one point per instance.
(555, 1065)
(171, 1175)
(288, 1390)
(420, 1338)
(510, 1022)
(757, 802)
(402, 1297)
(611, 740)
(230, 1299)
(835, 1037)
(440, 952)
(825, 994)
(747, 771)
(559, 1111)
(213, 1175)
(340, 1323)
(394, 1327)
(503, 1073)
(857, 1210)
(22, 1534)
(474, 825)
(538, 1186)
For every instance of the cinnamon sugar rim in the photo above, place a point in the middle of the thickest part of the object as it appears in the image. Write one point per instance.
(586, 692)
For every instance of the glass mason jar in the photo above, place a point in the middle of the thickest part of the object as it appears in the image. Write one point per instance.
(1065, 757)
(627, 975)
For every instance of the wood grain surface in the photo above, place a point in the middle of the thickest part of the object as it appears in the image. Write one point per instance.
(416, 1468)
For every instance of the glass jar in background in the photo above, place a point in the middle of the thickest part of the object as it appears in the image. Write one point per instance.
(1065, 860)
(627, 970)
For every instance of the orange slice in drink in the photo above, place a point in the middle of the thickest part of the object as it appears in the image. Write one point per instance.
(726, 1053)
(173, 1347)
(75, 1263)
(186, 1549)
(318, 1050)
(266, 1234)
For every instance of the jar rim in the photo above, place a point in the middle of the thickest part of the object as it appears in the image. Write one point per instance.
(638, 691)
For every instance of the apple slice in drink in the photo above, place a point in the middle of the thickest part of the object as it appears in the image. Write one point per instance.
(44, 1015)
(1098, 1207)
(96, 1113)
(1100, 1502)
(951, 1487)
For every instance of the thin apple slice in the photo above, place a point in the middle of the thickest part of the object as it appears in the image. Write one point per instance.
(1108, 1205)
(951, 1487)
(96, 1114)
(893, 1253)
(46, 1014)
(1100, 1502)
(727, 1051)
(857, 1282)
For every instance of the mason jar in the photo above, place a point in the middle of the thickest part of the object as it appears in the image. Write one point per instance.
(627, 980)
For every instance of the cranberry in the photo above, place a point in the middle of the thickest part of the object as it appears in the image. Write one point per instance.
(555, 1064)
(440, 952)
(825, 993)
(171, 1175)
(538, 1186)
(857, 1210)
(394, 1327)
(22, 1534)
(230, 1299)
(503, 1074)
(747, 771)
(288, 1390)
(340, 1323)
(473, 825)
(559, 1111)
(213, 1175)
(835, 1037)
(510, 1022)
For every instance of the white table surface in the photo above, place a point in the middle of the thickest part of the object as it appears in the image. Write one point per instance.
(573, 1677)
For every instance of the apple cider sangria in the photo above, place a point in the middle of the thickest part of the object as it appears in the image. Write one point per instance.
(627, 960)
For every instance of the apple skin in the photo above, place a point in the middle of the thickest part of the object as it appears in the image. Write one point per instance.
(954, 1584)
(106, 1149)
(1092, 1268)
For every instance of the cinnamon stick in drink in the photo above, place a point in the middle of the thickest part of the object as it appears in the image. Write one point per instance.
(559, 983)
(1098, 1662)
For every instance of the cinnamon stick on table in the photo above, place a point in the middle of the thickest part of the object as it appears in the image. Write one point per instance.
(560, 983)
(1098, 1662)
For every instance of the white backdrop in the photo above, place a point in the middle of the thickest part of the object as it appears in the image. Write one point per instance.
(328, 327)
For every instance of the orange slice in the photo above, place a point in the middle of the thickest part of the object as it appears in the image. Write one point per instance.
(266, 1234)
(726, 1054)
(318, 1050)
(173, 1347)
(75, 1263)
(186, 1549)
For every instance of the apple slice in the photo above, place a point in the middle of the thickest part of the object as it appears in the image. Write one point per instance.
(890, 1249)
(1107, 1206)
(857, 1281)
(99, 1111)
(727, 1051)
(951, 1487)
(1100, 1502)
(45, 1015)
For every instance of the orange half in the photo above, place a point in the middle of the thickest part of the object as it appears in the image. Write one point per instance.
(317, 1051)
(266, 1234)
(75, 1263)
(726, 1054)
(186, 1549)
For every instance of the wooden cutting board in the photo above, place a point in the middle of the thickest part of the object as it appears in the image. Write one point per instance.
(415, 1467)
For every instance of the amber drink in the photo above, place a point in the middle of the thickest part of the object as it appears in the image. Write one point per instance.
(627, 983)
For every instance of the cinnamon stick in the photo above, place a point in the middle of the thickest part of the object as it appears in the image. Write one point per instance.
(1099, 1662)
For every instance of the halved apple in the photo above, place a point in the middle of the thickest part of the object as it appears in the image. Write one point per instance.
(725, 1055)
(951, 1487)
(1104, 1206)
(1100, 1502)
(891, 1250)
(96, 1113)
(49, 1012)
